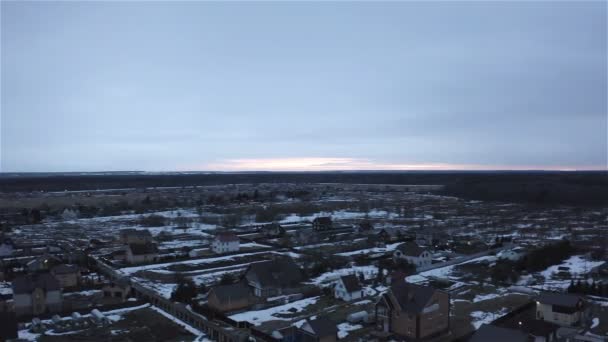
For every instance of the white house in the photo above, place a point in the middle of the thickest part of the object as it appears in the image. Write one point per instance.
(561, 309)
(225, 242)
(348, 288)
(414, 254)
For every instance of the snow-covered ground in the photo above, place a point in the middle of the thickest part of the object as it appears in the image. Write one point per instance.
(481, 317)
(339, 215)
(112, 315)
(260, 316)
(444, 272)
(576, 264)
(344, 328)
(368, 272)
(389, 248)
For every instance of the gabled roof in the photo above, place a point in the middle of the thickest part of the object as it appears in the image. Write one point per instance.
(277, 273)
(232, 292)
(322, 220)
(27, 283)
(410, 249)
(559, 299)
(227, 237)
(493, 333)
(135, 232)
(65, 269)
(351, 283)
(323, 326)
(410, 298)
(143, 249)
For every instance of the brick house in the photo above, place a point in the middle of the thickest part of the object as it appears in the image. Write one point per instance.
(414, 312)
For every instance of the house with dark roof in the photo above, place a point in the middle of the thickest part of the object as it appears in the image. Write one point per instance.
(35, 294)
(561, 309)
(67, 275)
(230, 297)
(414, 254)
(274, 277)
(272, 230)
(141, 253)
(6, 247)
(135, 236)
(322, 223)
(348, 288)
(43, 263)
(225, 242)
(119, 290)
(413, 312)
(321, 329)
(390, 234)
(492, 333)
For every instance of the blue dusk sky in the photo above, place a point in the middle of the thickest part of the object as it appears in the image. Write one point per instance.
(174, 86)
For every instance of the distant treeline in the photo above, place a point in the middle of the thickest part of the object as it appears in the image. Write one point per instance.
(576, 188)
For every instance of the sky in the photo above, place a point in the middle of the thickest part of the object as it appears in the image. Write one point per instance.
(234, 86)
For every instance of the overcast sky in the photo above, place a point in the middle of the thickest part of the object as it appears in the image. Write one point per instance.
(164, 86)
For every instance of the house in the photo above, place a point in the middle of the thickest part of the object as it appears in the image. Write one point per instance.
(414, 254)
(7, 247)
(348, 288)
(514, 254)
(67, 275)
(274, 277)
(561, 309)
(69, 214)
(230, 297)
(36, 294)
(43, 263)
(225, 242)
(322, 223)
(493, 333)
(424, 239)
(141, 253)
(365, 226)
(321, 329)
(413, 312)
(539, 330)
(135, 236)
(272, 230)
(391, 234)
(121, 288)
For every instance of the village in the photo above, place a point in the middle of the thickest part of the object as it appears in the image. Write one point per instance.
(299, 262)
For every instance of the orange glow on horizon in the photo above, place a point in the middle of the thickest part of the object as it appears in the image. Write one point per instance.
(358, 164)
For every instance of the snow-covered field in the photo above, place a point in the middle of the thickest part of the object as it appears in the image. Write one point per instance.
(260, 316)
(368, 272)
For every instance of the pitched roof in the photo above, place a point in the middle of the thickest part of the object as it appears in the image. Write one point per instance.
(560, 299)
(276, 273)
(322, 220)
(227, 237)
(27, 283)
(142, 249)
(227, 293)
(64, 269)
(135, 232)
(351, 283)
(411, 298)
(410, 249)
(497, 334)
(323, 326)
